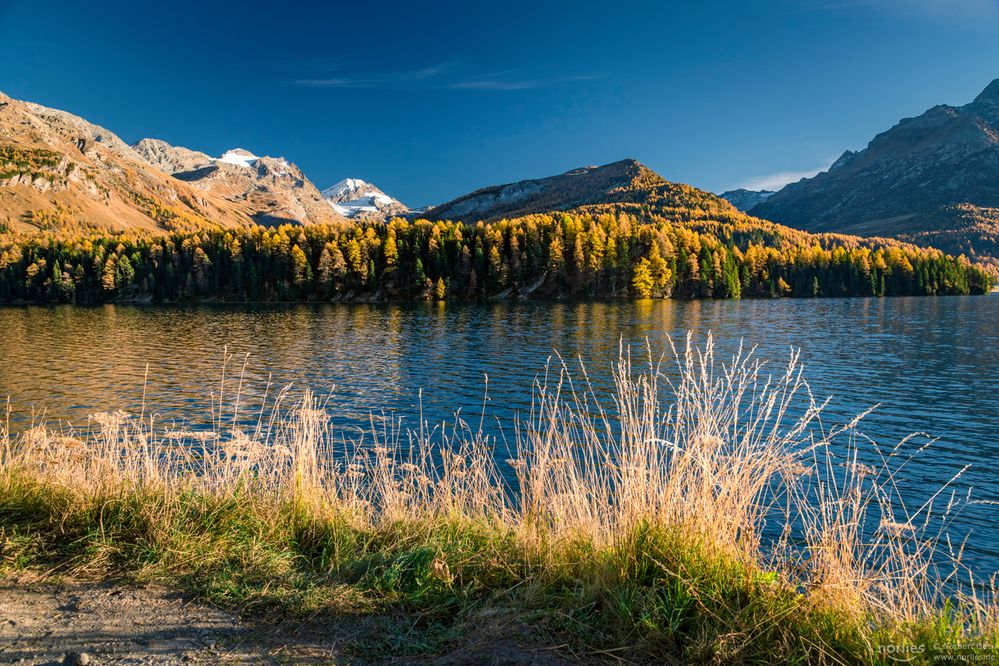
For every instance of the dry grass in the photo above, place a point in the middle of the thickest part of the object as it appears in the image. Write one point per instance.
(652, 525)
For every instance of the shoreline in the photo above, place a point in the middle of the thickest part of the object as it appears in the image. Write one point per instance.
(636, 535)
(485, 301)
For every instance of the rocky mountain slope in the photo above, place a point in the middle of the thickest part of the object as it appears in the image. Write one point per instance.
(58, 171)
(626, 181)
(744, 199)
(932, 179)
(353, 197)
(170, 159)
(61, 172)
(271, 189)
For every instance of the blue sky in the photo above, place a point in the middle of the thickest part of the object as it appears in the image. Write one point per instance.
(431, 100)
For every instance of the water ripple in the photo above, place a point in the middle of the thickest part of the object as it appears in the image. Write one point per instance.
(932, 364)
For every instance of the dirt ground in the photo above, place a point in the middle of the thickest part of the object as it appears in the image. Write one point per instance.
(103, 623)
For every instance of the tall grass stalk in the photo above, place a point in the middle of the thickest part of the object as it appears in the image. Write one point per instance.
(703, 513)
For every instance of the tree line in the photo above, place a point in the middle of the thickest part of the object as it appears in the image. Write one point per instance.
(591, 253)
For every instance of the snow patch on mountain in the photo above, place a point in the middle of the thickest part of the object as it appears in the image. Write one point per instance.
(238, 157)
(347, 189)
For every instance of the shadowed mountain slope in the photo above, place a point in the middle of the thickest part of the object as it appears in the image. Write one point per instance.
(932, 179)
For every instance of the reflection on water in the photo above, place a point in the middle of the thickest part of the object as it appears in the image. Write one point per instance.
(931, 363)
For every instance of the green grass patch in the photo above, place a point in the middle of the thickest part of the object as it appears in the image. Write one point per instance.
(654, 596)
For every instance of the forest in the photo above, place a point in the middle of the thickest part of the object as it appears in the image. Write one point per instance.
(595, 252)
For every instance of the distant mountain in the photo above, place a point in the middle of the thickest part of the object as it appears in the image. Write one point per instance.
(58, 171)
(271, 189)
(626, 181)
(744, 199)
(353, 197)
(61, 172)
(932, 180)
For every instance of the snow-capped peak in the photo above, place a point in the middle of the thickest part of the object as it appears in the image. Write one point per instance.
(239, 157)
(350, 188)
(352, 197)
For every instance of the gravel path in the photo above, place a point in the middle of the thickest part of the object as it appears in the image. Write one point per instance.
(98, 624)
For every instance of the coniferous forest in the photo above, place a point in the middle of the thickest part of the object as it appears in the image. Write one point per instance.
(612, 253)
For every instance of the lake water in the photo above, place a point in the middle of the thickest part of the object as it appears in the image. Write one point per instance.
(931, 363)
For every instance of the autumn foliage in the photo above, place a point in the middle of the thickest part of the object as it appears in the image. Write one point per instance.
(596, 252)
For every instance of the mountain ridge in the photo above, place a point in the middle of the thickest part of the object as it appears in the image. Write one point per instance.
(274, 189)
(917, 181)
(625, 181)
(169, 158)
(59, 171)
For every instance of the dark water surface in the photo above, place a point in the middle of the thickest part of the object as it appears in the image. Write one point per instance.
(931, 363)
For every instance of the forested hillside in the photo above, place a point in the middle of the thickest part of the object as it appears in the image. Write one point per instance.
(593, 252)
(621, 182)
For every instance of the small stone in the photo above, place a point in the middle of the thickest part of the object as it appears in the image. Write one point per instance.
(77, 659)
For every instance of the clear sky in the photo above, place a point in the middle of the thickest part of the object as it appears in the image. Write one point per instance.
(432, 99)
